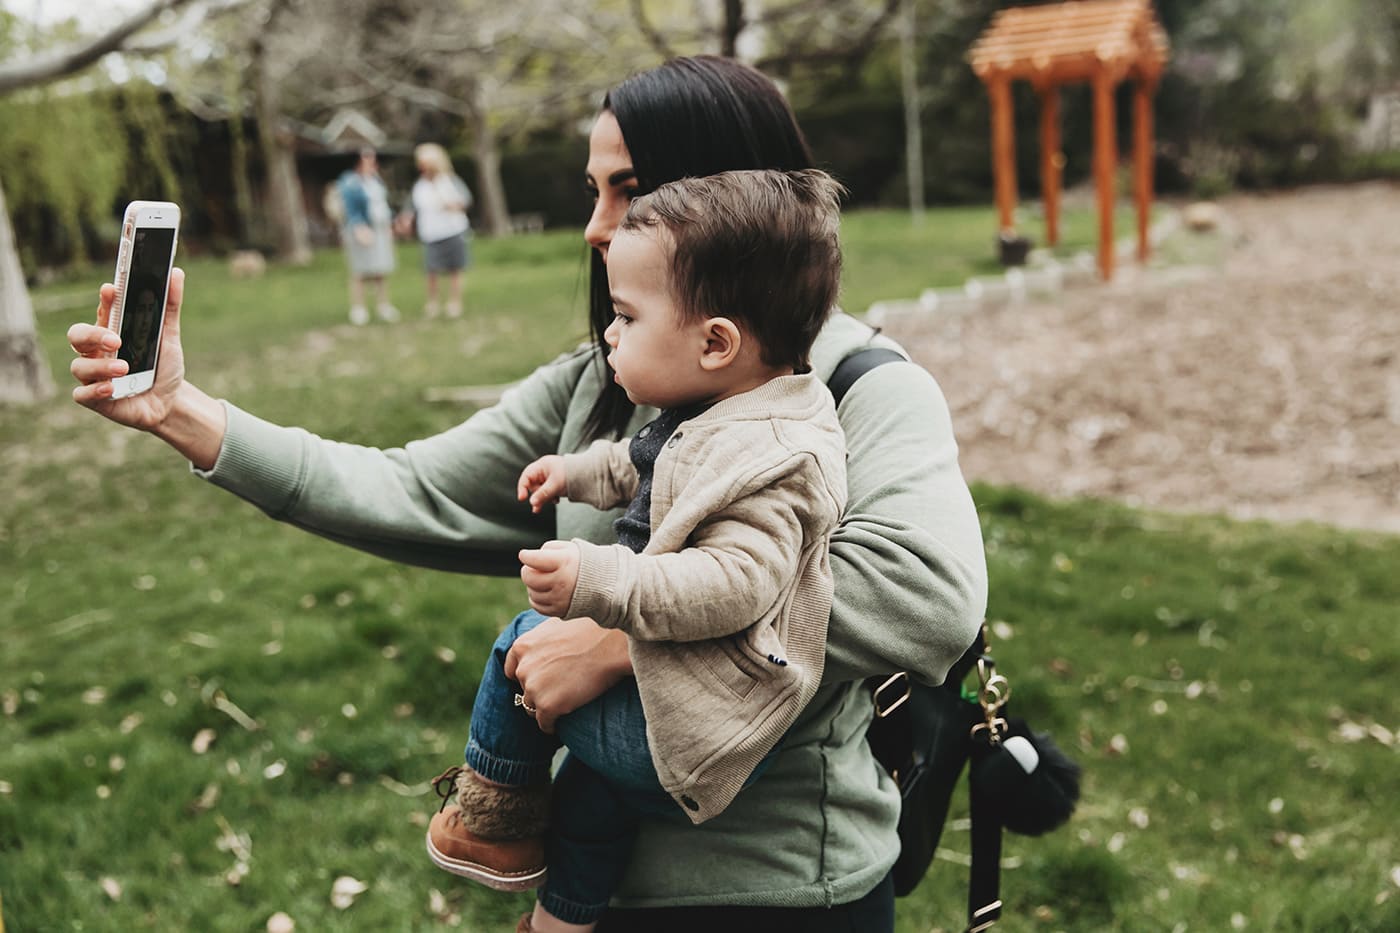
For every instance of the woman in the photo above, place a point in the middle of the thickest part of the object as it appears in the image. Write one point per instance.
(809, 845)
(368, 236)
(439, 207)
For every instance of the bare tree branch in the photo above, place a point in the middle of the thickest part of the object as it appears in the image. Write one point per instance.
(851, 49)
(57, 63)
(654, 38)
(193, 17)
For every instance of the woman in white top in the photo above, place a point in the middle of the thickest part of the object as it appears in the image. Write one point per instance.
(440, 202)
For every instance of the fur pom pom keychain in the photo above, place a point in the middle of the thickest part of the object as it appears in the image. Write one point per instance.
(1034, 786)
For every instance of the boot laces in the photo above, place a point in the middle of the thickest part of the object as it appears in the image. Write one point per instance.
(445, 786)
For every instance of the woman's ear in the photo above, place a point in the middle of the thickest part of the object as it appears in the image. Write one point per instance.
(722, 341)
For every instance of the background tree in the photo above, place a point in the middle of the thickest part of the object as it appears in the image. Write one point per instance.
(24, 374)
(503, 69)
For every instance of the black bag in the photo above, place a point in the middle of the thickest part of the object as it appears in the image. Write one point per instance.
(921, 735)
(925, 736)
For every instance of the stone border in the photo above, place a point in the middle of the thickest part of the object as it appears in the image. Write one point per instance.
(1043, 275)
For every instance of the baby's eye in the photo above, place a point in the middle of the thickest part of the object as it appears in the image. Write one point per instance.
(624, 318)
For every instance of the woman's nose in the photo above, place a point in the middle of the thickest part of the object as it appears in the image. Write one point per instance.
(602, 224)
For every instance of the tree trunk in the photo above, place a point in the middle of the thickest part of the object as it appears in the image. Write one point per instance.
(248, 231)
(733, 25)
(24, 374)
(913, 122)
(491, 191)
(284, 198)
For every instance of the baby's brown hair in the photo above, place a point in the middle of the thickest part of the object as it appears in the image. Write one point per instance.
(758, 247)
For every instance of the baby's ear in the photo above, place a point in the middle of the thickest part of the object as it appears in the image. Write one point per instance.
(722, 341)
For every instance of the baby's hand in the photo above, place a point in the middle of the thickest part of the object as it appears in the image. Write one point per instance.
(550, 575)
(542, 482)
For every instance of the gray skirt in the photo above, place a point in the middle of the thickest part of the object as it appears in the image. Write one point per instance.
(448, 255)
(374, 259)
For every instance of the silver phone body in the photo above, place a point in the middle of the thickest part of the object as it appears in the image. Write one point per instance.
(150, 230)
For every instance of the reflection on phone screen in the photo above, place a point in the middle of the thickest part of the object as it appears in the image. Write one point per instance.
(145, 297)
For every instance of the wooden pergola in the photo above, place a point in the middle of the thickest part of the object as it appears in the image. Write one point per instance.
(1102, 42)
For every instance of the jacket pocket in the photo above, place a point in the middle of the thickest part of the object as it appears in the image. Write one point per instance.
(733, 667)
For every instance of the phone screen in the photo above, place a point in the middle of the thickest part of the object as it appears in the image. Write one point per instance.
(145, 297)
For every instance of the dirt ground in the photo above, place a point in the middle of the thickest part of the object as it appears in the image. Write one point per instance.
(1267, 386)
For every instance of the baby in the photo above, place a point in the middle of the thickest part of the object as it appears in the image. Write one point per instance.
(720, 576)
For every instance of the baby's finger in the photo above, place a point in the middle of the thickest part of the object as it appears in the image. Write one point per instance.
(541, 560)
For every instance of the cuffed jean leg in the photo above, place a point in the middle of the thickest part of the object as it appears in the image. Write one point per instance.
(505, 744)
(592, 828)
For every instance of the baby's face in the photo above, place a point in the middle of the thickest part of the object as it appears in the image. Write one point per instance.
(655, 355)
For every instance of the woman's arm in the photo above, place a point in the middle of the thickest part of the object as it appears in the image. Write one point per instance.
(911, 574)
(446, 502)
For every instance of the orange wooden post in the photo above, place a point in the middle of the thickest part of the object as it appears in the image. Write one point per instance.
(1003, 151)
(1051, 161)
(1105, 164)
(1142, 162)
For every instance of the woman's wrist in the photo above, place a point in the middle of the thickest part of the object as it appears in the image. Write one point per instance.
(194, 426)
(618, 658)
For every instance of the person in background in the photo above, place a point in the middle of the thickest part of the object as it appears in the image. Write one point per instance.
(368, 236)
(440, 201)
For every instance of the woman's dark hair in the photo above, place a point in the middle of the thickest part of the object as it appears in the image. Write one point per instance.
(689, 117)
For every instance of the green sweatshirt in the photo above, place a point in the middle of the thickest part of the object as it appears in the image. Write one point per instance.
(819, 827)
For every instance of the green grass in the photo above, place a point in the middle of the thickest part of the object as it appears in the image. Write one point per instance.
(139, 607)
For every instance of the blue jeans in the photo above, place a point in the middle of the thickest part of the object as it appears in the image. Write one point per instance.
(604, 786)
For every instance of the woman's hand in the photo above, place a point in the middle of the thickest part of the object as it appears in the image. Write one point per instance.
(172, 409)
(96, 364)
(563, 664)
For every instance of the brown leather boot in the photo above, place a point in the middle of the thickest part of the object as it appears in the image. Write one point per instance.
(495, 836)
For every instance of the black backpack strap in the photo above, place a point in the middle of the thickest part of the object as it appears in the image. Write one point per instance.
(856, 365)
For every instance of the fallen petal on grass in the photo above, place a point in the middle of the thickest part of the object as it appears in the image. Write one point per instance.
(202, 740)
(280, 923)
(112, 888)
(226, 706)
(345, 890)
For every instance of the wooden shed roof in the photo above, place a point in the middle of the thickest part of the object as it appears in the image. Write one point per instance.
(1071, 40)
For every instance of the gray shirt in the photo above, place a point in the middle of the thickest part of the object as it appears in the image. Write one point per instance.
(910, 575)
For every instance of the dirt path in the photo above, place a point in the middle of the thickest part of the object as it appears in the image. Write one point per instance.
(1269, 389)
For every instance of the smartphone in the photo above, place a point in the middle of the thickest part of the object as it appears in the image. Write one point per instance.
(144, 261)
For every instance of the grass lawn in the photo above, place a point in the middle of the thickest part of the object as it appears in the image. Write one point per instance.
(1224, 685)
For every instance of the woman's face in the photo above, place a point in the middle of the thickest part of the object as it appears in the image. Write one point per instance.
(610, 179)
